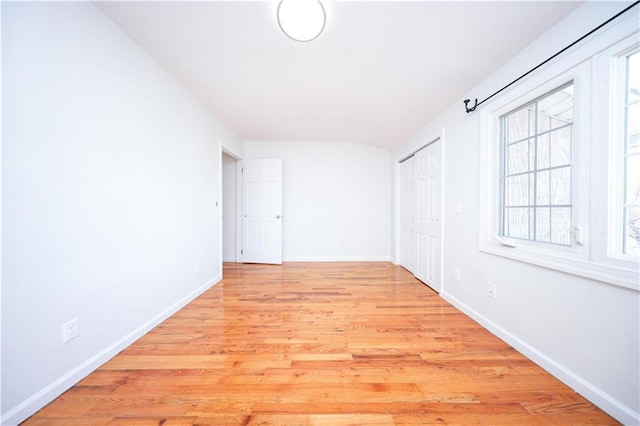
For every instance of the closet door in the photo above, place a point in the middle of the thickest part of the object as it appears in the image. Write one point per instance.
(407, 213)
(420, 214)
(427, 224)
(420, 223)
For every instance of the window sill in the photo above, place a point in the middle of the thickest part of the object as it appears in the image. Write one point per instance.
(621, 277)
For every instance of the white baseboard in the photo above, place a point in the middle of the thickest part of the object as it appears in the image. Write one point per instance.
(597, 396)
(337, 259)
(34, 403)
(229, 259)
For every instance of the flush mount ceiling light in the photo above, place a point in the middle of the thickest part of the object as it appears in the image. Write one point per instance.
(301, 20)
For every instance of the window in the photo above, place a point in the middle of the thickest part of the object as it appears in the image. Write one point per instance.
(560, 162)
(536, 169)
(631, 206)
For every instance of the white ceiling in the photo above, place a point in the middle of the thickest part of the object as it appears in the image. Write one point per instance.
(378, 72)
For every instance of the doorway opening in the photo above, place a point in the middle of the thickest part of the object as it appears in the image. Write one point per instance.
(230, 210)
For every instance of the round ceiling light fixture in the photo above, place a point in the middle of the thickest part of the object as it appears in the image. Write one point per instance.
(301, 20)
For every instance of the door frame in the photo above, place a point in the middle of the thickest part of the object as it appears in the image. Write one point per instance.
(238, 231)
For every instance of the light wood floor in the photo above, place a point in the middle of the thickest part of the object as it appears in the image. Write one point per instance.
(319, 344)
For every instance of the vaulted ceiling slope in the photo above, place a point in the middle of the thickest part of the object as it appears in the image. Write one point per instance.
(378, 72)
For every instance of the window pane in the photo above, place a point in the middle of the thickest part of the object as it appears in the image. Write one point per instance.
(544, 122)
(634, 144)
(518, 126)
(632, 231)
(633, 179)
(543, 189)
(560, 147)
(634, 112)
(518, 159)
(517, 223)
(560, 186)
(561, 225)
(633, 75)
(542, 162)
(633, 123)
(543, 224)
(518, 190)
(556, 109)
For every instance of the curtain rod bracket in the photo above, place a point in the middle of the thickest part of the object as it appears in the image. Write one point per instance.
(466, 105)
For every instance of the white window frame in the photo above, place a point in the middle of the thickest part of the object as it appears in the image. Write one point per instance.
(613, 62)
(592, 67)
(534, 243)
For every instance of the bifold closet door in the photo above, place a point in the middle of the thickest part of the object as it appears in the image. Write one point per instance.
(427, 225)
(420, 214)
(407, 213)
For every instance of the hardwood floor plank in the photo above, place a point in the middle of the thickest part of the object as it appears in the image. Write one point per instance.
(319, 344)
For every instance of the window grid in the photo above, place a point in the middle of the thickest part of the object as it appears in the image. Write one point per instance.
(541, 217)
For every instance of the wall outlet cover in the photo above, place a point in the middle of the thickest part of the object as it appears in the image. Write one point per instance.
(70, 330)
(491, 290)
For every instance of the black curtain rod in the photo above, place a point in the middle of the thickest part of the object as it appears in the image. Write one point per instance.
(477, 104)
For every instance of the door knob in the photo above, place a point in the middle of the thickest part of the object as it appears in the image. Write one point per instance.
(278, 217)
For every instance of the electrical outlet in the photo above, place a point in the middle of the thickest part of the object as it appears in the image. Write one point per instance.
(70, 330)
(196, 268)
(491, 290)
(456, 274)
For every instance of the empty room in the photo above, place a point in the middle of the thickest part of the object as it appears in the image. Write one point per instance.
(307, 212)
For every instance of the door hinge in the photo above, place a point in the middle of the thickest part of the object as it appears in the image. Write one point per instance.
(242, 170)
(241, 251)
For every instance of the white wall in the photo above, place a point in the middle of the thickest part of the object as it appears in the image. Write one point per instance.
(229, 208)
(336, 199)
(110, 173)
(584, 332)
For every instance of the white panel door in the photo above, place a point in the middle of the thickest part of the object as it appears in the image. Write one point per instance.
(420, 194)
(427, 225)
(407, 213)
(262, 211)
